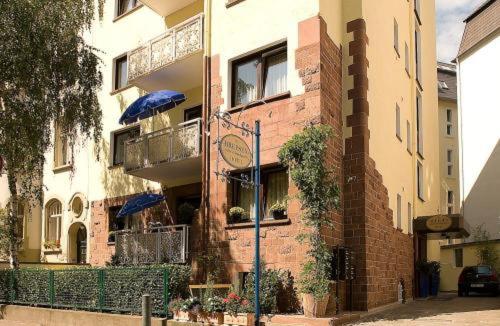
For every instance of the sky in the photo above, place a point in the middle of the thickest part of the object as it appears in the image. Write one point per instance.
(449, 19)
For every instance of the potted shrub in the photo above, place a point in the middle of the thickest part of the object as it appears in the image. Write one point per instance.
(278, 211)
(213, 311)
(423, 269)
(434, 270)
(236, 214)
(314, 285)
(237, 311)
(185, 213)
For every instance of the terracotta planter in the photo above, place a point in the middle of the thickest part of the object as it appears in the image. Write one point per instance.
(239, 319)
(314, 308)
(216, 318)
(184, 316)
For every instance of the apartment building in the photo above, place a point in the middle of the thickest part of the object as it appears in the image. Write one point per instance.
(478, 98)
(365, 68)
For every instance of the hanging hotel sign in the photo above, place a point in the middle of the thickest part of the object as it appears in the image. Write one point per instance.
(438, 223)
(235, 151)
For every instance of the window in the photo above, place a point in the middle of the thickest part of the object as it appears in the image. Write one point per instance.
(193, 113)
(450, 201)
(274, 190)
(417, 10)
(408, 136)
(420, 181)
(399, 212)
(77, 206)
(398, 122)
(120, 73)
(407, 58)
(53, 221)
(130, 222)
(259, 76)
(125, 5)
(396, 37)
(449, 124)
(449, 162)
(418, 56)
(459, 257)
(420, 129)
(119, 138)
(410, 219)
(61, 153)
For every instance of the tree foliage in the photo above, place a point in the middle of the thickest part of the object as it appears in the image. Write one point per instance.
(485, 250)
(48, 73)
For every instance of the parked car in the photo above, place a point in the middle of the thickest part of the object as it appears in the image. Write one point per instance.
(481, 279)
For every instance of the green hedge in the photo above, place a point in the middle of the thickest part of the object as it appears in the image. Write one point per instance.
(117, 289)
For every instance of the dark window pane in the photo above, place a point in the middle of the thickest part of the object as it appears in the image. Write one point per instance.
(126, 5)
(276, 75)
(245, 82)
(459, 261)
(119, 143)
(121, 73)
(193, 113)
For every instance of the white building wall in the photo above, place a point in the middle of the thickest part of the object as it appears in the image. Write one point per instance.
(479, 103)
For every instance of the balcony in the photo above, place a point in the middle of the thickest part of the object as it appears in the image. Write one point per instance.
(166, 7)
(166, 244)
(173, 60)
(166, 155)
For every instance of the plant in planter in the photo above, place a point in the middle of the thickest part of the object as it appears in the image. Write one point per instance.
(213, 311)
(434, 270)
(185, 213)
(278, 211)
(318, 194)
(237, 214)
(52, 244)
(424, 270)
(238, 310)
(185, 310)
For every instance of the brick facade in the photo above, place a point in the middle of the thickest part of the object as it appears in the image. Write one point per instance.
(384, 254)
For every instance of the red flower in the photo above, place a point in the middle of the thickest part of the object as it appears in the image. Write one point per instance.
(225, 300)
(233, 295)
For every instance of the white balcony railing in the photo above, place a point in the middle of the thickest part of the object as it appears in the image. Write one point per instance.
(164, 146)
(166, 244)
(177, 43)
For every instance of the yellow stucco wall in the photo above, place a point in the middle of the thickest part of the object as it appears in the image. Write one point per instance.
(449, 272)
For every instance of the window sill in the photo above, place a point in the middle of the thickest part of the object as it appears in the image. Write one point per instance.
(262, 101)
(409, 151)
(397, 52)
(421, 156)
(399, 138)
(52, 251)
(419, 84)
(418, 16)
(421, 199)
(408, 73)
(111, 243)
(250, 225)
(128, 12)
(62, 168)
(230, 3)
(115, 166)
(119, 90)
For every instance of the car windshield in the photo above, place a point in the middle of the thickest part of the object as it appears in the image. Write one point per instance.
(483, 269)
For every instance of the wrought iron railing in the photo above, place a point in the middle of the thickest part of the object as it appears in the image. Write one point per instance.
(175, 44)
(166, 244)
(163, 146)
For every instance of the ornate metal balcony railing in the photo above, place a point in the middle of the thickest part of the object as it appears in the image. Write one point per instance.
(165, 244)
(175, 44)
(164, 146)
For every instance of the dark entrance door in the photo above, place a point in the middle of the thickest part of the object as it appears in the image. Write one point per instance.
(81, 245)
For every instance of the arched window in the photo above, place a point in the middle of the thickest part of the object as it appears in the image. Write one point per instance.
(53, 221)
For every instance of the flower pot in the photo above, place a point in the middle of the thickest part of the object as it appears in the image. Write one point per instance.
(184, 316)
(239, 319)
(216, 318)
(313, 307)
(423, 285)
(434, 284)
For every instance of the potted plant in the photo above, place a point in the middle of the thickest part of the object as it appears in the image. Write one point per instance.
(434, 270)
(278, 210)
(237, 311)
(185, 213)
(213, 311)
(423, 269)
(185, 310)
(236, 214)
(51, 244)
(314, 285)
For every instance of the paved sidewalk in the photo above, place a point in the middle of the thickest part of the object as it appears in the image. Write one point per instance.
(447, 309)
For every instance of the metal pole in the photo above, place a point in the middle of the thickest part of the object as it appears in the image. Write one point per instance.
(146, 310)
(257, 221)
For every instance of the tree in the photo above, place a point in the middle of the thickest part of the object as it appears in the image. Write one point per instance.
(485, 250)
(47, 73)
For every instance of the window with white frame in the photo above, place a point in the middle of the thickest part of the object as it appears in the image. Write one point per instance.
(61, 148)
(418, 55)
(449, 162)
(410, 219)
(398, 222)
(420, 180)
(420, 128)
(396, 36)
(449, 123)
(398, 122)
(53, 221)
(450, 201)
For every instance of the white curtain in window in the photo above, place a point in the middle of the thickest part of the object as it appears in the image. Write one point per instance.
(246, 82)
(276, 75)
(277, 189)
(246, 201)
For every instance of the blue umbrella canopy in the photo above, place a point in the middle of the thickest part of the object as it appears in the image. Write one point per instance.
(140, 203)
(151, 104)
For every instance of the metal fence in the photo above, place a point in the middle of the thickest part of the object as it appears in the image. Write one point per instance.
(166, 244)
(106, 289)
